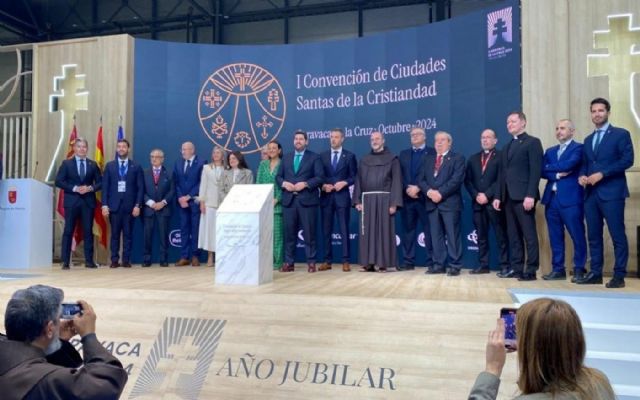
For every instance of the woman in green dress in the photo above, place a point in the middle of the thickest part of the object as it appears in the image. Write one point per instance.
(267, 174)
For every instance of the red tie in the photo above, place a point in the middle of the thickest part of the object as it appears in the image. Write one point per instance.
(438, 163)
(156, 176)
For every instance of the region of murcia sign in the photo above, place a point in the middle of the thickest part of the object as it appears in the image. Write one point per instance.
(241, 107)
(620, 64)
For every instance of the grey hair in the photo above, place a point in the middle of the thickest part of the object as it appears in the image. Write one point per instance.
(447, 134)
(30, 309)
(82, 140)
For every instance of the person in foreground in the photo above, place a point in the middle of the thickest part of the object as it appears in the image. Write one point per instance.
(551, 361)
(35, 331)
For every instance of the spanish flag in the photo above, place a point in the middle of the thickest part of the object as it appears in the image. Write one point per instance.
(100, 224)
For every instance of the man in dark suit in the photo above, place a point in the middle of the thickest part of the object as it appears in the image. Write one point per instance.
(158, 194)
(564, 202)
(607, 154)
(80, 178)
(340, 169)
(481, 181)
(521, 167)
(122, 190)
(413, 212)
(300, 175)
(186, 178)
(441, 181)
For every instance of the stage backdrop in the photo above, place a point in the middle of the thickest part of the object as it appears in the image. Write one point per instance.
(460, 76)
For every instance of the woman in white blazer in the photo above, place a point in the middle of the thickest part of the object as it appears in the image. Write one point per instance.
(210, 199)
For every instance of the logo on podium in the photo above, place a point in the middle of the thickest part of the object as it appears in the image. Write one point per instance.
(12, 194)
(241, 107)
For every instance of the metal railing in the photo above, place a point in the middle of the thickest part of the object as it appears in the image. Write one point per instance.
(15, 142)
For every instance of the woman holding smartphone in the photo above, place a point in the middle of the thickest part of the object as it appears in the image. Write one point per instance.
(551, 361)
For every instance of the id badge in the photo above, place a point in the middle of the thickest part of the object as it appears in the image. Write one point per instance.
(122, 186)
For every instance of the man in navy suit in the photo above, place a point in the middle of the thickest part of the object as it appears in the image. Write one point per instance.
(80, 178)
(186, 178)
(564, 202)
(340, 169)
(481, 181)
(520, 171)
(607, 154)
(300, 175)
(122, 190)
(441, 181)
(158, 194)
(414, 212)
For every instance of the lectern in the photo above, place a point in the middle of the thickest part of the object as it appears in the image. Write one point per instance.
(244, 236)
(26, 224)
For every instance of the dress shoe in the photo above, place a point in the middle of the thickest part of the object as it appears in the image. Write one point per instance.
(146, 264)
(590, 279)
(527, 277)
(195, 262)
(481, 270)
(325, 267)
(287, 268)
(368, 268)
(126, 264)
(555, 276)
(615, 283)
(453, 272)
(164, 264)
(91, 265)
(114, 264)
(311, 268)
(434, 270)
(509, 274)
(65, 266)
(578, 275)
(183, 262)
(406, 268)
(346, 267)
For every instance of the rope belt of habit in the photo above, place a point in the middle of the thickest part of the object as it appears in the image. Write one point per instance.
(362, 202)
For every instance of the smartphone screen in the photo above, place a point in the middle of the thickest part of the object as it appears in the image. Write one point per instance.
(69, 310)
(509, 317)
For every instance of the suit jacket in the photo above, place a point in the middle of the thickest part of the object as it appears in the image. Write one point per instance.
(187, 182)
(165, 190)
(67, 178)
(613, 157)
(134, 191)
(486, 182)
(245, 176)
(346, 170)
(405, 165)
(568, 191)
(448, 181)
(521, 168)
(310, 171)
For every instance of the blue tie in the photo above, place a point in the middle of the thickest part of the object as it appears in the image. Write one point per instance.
(123, 169)
(561, 150)
(83, 171)
(597, 140)
(186, 168)
(334, 161)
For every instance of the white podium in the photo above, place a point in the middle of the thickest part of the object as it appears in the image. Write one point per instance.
(244, 236)
(26, 224)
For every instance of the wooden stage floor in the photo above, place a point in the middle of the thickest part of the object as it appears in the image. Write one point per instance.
(401, 335)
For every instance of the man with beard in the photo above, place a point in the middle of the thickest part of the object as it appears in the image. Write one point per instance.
(377, 195)
(122, 191)
(35, 330)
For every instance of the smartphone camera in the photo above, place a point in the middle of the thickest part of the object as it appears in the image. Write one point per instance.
(509, 317)
(69, 310)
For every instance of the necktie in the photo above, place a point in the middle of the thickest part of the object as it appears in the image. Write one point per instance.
(296, 163)
(123, 169)
(83, 171)
(597, 139)
(561, 150)
(187, 166)
(485, 160)
(334, 161)
(438, 164)
(156, 176)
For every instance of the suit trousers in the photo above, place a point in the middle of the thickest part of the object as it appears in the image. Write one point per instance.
(571, 218)
(483, 218)
(343, 215)
(521, 228)
(446, 224)
(162, 223)
(412, 214)
(598, 211)
(121, 223)
(71, 215)
(295, 216)
(189, 226)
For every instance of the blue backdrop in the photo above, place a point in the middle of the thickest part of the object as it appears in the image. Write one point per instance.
(461, 75)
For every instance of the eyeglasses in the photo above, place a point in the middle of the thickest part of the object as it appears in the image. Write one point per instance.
(157, 156)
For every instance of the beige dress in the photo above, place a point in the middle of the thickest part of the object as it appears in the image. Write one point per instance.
(210, 188)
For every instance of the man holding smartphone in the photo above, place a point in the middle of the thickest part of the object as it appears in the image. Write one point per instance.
(35, 331)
